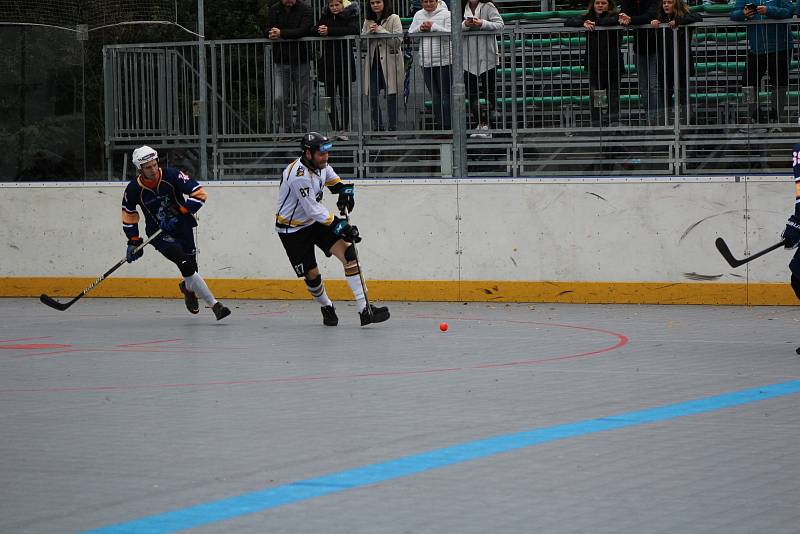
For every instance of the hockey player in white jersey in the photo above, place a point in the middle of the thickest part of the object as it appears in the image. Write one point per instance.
(302, 222)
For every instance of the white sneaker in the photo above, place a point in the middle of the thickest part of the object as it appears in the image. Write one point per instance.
(483, 134)
(342, 137)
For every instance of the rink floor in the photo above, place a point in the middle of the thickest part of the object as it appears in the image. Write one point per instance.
(130, 415)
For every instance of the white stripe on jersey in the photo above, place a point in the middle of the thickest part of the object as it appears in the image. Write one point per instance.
(299, 197)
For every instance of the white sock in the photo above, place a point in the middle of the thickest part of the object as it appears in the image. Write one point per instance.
(196, 284)
(187, 281)
(358, 291)
(319, 293)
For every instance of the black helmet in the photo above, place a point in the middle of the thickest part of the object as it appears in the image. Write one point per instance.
(316, 142)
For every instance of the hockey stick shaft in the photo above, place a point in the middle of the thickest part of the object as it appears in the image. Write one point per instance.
(49, 301)
(733, 262)
(358, 265)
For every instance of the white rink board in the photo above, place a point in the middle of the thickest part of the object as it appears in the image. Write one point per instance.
(605, 229)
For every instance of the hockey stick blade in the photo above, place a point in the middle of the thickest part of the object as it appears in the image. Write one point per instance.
(50, 301)
(733, 262)
(53, 303)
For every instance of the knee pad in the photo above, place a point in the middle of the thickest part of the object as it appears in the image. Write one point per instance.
(187, 265)
(314, 282)
(796, 286)
(351, 266)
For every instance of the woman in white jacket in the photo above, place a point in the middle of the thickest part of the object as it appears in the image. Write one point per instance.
(435, 56)
(384, 68)
(481, 57)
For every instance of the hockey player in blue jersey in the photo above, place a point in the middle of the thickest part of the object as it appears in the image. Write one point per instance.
(791, 234)
(169, 199)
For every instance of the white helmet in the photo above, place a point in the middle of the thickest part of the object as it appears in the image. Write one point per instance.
(142, 155)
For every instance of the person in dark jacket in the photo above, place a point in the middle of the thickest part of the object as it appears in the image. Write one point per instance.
(336, 69)
(676, 15)
(603, 55)
(290, 19)
(770, 49)
(637, 13)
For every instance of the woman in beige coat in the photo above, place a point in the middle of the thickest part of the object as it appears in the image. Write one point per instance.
(384, 69)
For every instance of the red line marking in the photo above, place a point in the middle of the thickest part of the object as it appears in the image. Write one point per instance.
(622, 340)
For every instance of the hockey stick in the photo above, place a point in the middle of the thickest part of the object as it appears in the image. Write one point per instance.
(358, 264)
(733, 262)
(50, 301)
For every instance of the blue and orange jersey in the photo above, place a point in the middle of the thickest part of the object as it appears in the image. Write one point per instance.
(796, 168)
(171, 192)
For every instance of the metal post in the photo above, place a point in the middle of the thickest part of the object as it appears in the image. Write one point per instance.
(458, 120)
(203, 116)
(108, 103)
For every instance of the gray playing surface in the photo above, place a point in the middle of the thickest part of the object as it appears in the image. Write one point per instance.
(116, 410)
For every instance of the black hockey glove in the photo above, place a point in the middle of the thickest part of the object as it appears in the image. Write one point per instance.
(346, 199)
(344, 230)
(130, 254)
(791, 234)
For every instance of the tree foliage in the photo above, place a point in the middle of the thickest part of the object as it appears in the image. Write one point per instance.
(34, 128)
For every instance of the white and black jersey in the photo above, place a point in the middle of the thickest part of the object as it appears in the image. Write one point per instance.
(300, 196)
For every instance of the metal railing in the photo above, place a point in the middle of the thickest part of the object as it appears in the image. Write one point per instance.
(554, 108)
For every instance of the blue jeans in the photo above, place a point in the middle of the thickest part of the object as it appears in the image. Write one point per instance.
(377, 82)
(647, 69)
(437, 80)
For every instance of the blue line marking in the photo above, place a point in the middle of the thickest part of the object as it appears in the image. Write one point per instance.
(258, 501)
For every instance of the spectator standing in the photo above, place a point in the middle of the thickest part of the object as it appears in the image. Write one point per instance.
(286, 20)
(481, 57)
(603, 55)
(384, 68)
(637, 13)
(336, 68)
(435, 56)
(770, 49)
(676, 15)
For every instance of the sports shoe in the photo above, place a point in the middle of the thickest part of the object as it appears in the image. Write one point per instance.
(220, 311)
(373, 314)
(189, 298)
(329, 317)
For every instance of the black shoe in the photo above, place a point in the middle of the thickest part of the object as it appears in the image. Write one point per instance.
(373, 314)
(329, 317)
(220, 311)
(189, 298)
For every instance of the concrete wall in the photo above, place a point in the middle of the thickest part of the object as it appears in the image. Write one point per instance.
(504, 239)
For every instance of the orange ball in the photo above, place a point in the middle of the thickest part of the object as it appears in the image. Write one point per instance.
(443, 327)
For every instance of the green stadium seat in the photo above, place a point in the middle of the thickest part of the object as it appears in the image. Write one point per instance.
(717, 9)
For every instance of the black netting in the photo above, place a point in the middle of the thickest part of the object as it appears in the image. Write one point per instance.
(94, 13)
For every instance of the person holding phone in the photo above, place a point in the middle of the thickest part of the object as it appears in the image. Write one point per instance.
(675, 14)
(432, 22)
(770, 51)
(481, 57)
